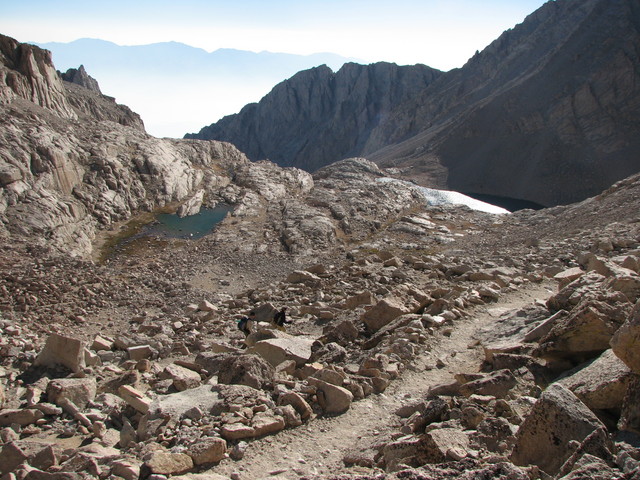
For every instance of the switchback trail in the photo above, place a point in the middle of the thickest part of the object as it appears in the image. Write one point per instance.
(318, 447)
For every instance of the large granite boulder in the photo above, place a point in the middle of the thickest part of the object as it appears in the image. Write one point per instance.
(585, 332)
(557, 418)
(626, 339)
(601, 384)
(251, 370)
(332, 398)
(385, 311)
(80, 391)
(62, 350)
(277, 350)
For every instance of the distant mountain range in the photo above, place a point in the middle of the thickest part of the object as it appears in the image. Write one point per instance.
(547, 113)
(164, 82)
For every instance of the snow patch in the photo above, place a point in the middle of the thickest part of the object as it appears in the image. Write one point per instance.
(447, 197)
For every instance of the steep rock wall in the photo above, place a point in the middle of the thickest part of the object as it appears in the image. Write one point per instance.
(27, 72)
(318, 115)
(546, 113)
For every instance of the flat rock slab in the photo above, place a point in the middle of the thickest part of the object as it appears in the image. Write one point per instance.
(602, 383)
(277, 350)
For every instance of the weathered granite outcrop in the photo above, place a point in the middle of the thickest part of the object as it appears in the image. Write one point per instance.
(79, 76)
(62, 181)
(27, 72)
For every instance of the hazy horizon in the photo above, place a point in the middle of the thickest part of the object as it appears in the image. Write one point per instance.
(438, 33)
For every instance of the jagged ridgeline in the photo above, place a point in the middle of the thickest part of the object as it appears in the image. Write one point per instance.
(547, 113)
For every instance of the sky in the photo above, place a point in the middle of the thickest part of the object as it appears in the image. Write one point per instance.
(440, 33)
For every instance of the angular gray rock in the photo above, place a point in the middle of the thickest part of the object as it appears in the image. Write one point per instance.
(332, 398)
(585, 332)
(208, 450)
(626, 339)
(61, 350)
(384, 312)
(277, 350)
(601, 384)
(556, 419)
(250, 370)
(497, 384)
(80, 391)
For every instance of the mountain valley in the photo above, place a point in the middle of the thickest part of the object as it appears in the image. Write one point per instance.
(553, 100)
(427, 341)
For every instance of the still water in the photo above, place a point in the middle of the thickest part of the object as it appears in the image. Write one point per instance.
(191, 227)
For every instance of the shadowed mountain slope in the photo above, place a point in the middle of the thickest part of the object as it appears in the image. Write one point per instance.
(546, 113)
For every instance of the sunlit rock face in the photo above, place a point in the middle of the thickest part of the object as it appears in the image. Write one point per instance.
(28, 73)
(317, 116)
(73, 161)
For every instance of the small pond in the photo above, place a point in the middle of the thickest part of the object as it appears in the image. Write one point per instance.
(192, 227)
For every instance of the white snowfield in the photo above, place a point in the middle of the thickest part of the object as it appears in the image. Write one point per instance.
(447, 197)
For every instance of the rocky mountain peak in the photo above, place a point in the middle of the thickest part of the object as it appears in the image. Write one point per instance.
(79, 76)
(292, 124)
(28, 72)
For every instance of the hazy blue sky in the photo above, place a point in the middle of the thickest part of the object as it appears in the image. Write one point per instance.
(440, 33)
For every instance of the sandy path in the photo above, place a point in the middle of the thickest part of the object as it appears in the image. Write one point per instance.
(318, 448)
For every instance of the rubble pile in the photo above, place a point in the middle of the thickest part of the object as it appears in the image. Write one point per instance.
(176, 394)
(556, 395)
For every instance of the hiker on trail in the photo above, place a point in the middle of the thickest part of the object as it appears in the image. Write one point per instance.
(243, 323)
(280, 319)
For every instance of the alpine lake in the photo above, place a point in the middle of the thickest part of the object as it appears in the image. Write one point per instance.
(152, 230)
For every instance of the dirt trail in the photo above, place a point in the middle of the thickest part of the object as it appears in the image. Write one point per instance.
(319, 447)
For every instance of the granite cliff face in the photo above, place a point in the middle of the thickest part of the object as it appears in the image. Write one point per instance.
(546, 113)
(29, 74)
(318, 116)
(74, 162)
(79, 76)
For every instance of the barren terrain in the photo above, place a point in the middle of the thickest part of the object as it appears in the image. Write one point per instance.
(320, 447)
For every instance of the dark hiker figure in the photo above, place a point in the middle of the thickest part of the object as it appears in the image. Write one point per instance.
(243, 323)
(280, 319)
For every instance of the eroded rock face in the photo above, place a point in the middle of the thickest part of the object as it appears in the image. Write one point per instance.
(28, 73)
(79, 76)
(320, 101)
(62, 184)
